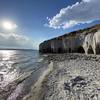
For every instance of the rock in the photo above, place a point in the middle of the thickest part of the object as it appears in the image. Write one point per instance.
(67, 86)
(74, 79)
(1, 77)
(81, 41)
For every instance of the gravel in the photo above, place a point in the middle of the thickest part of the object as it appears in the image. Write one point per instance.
(75, 77)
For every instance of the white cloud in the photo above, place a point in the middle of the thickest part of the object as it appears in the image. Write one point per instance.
(84, 12)
(86, 0)
(15, 41)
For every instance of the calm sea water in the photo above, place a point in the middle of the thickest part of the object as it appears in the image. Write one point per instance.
(19, 69)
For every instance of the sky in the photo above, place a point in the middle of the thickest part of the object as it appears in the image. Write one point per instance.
(24, 24)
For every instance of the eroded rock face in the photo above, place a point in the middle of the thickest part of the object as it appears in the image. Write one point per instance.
(88, 44)
(82, 41)
(91, 43)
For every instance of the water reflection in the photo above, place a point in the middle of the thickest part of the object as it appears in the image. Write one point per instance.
(7, 75)
(6, 54)
(17, 70)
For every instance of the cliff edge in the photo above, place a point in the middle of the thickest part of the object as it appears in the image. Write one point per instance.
(81, 41)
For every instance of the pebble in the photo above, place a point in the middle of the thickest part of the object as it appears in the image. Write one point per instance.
(77, 77)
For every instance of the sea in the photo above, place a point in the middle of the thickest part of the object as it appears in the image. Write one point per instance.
(19, 70)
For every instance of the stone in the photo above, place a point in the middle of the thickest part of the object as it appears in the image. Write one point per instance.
(82, 41)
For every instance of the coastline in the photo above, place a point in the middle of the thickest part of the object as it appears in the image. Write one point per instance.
(68, 77)
(37, 91)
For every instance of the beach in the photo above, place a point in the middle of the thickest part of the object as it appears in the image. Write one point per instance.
(73, 77)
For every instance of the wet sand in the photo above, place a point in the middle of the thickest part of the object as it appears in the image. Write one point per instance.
(73, 77)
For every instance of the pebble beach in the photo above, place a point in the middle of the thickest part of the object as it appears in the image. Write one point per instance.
(74, 77)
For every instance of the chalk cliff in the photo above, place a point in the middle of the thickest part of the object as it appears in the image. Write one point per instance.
(81, 41)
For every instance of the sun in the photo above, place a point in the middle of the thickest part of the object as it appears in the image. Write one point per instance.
(8, 25)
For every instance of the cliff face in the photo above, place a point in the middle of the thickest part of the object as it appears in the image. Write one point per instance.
(81, 41)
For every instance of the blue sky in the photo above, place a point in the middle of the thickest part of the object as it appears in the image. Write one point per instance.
(39, 20)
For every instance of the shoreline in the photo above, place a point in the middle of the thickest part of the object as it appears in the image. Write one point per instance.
(68, 77)
(37, 90)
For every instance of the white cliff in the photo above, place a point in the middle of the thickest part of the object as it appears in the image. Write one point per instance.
(82, 41)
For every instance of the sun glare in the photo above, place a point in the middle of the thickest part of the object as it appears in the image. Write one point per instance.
(8, 25)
